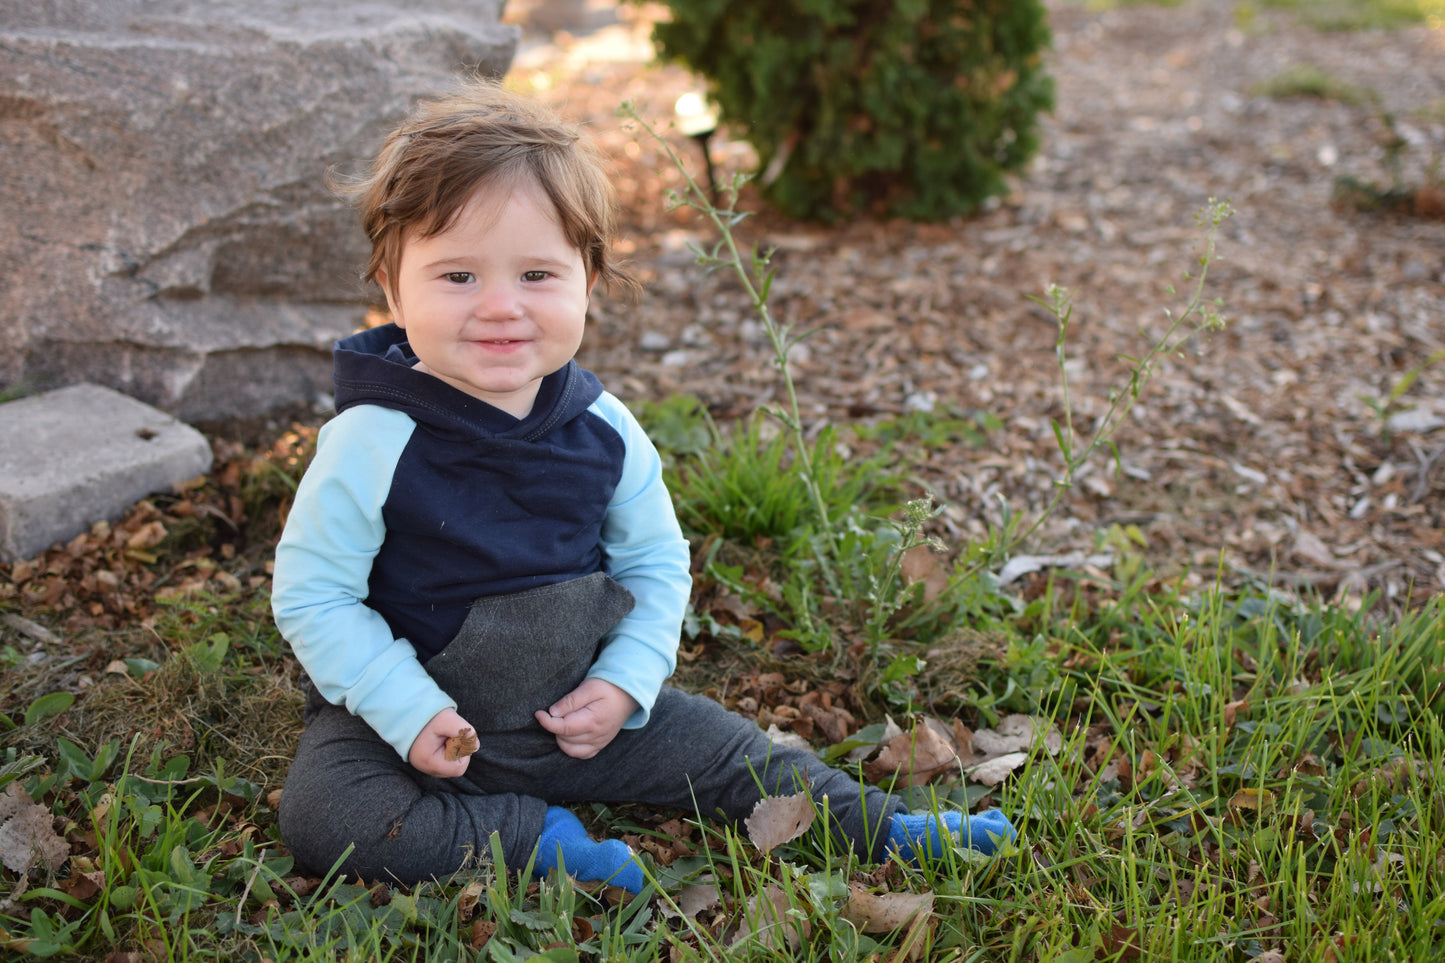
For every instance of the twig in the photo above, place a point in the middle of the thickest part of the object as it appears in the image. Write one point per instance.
(251, 881)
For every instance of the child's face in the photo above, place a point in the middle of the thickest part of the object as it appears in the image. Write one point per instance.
(497, 301)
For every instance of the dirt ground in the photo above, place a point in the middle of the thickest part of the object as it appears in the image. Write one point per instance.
(1300, 446)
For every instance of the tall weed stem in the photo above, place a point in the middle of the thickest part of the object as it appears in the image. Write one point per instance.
(755, 272)
(1199, 314)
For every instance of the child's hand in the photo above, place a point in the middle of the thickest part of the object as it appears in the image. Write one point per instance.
(429, 752)
(586, 719)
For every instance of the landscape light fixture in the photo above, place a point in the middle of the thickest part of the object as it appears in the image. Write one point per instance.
(697, 118)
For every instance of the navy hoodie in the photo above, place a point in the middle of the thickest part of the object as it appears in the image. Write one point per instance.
(422, 498)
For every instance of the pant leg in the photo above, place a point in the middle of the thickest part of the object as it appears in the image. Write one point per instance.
(348, 788)
(697, 756)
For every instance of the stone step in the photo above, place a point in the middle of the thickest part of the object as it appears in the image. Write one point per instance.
(77, 455)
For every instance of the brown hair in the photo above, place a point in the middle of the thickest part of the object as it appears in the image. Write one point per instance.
(483, 135)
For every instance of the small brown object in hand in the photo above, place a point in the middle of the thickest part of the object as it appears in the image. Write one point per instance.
(463, 743)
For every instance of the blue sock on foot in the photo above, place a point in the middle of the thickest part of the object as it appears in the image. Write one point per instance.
(564, 841)
(913, 835)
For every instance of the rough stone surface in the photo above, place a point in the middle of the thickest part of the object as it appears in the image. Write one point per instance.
(165, 224)
(77, 455)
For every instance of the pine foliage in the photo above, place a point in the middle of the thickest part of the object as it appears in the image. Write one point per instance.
(908, 108)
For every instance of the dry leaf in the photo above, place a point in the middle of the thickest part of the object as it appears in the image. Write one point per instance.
(790, 739)
(13, 800)
(482, 930)
(84, 886)
(1017, 733)
(27, 835)
(993, 771)
(884, 912)
(768, 921)
(891, 731)
(693, 899)
(917, 756)
(780, 819)
(920, 564)
(463, 743)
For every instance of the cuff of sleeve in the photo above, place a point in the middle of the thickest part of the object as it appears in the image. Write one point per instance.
(397, 698)
(636, 670)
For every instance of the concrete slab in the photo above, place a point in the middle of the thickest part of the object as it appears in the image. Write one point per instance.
(77, 455)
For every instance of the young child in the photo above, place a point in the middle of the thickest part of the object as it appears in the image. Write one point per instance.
(484, 542)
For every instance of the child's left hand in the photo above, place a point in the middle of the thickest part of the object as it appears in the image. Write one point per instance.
(586, 719)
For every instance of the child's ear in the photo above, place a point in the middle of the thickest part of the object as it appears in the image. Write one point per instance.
(391, 301)
(592, 282)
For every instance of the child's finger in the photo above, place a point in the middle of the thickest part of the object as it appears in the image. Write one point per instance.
(569, 704)
(560, 725)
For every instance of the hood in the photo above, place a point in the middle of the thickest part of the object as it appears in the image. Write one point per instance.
(376, 367)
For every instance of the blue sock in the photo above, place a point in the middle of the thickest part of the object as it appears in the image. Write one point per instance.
(922, 834)
(565, 842)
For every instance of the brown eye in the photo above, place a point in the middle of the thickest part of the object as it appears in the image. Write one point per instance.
(459, 277)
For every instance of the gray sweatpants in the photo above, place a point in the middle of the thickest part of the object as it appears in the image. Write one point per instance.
(515, 654)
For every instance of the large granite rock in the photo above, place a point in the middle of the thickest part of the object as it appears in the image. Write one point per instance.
(165, 226)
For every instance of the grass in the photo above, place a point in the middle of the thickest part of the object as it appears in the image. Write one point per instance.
(1343, 15)
(1309, 81)
(1240, 775)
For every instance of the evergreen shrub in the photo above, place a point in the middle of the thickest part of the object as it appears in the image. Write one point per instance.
(908, 108)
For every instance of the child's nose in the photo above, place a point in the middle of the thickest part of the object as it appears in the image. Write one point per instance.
(498, 300)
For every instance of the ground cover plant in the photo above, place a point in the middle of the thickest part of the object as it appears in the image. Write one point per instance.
(1202, 764)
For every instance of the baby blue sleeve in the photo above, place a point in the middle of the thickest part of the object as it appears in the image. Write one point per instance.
(322, 569)
(646, 552)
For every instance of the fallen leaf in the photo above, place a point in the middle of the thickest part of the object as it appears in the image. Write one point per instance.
(780, 819)
(891, 731)
(916, 757)
(790, 739)
(921, 564)
(463, 743)
(27, 835)
(884, 912)
(767, 919)
(694, 898)
(482, 930)
(147, 536)
(993, 771)
(1016, 733)
(84, 886)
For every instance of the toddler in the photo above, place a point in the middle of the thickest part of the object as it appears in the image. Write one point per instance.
(483, 542)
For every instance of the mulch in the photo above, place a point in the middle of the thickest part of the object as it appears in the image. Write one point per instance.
(1299, 447)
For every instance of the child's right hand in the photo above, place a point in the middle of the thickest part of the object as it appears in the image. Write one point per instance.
(429, 751)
